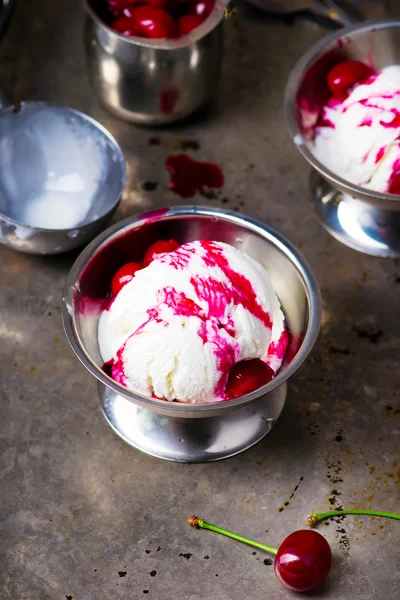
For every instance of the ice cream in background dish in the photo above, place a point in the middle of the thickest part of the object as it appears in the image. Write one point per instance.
(200, 323)
(357, 135)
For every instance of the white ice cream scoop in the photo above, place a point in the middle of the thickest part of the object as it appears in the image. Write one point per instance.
(361, 144)
(176, 329)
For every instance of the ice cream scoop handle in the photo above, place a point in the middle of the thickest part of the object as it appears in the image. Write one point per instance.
(331, 11)
(3, 99)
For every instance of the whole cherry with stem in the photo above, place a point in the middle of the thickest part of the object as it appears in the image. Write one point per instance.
(302, 562)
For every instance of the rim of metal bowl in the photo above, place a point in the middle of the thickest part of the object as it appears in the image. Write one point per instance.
(316, 51)
(281, 242)
(6, 9)
(109, 136)
(210, 23)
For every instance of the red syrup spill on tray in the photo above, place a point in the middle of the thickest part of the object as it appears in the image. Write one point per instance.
(188, 175)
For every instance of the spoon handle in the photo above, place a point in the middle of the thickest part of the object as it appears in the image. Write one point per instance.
(348, 13)
(333, 12)
(3, 100)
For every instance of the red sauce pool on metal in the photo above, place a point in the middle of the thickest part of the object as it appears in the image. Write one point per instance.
(188, 175)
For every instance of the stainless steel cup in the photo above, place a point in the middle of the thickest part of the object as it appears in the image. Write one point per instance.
(361, 218)
(172, 430)
(154, 82)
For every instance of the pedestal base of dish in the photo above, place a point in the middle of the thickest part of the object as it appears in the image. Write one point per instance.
(192, 440)
(361, 226)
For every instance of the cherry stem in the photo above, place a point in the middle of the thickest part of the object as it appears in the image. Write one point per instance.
(200, 524)
(316, 518)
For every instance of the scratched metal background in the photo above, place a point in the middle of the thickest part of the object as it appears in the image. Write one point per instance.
(84, 516)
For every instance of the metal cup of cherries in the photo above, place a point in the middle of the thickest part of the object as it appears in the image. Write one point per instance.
(157, 19)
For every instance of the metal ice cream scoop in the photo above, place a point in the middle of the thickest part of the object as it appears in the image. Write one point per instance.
(342, 12)
(61, 177)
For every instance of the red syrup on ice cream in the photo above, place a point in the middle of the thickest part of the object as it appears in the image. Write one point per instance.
(342, 79)
(237, 378)
(395, 122)
(279, 348)
(187, 175)
(328, 83)
(379, 154)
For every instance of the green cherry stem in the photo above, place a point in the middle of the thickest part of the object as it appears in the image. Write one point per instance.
(317, 517)
(198, 523)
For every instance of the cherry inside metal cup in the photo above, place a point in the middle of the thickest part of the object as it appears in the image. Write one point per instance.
(151, 81)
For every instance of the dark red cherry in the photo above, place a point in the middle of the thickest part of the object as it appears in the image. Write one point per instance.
(118, 7)
(187, 23)
(345, 75)
(152, 22)
(158, 3)
(125, 26)
(303, 560)
(247, 376)
(394, 182)
(201, 8)
(158, 248)
(123, 276)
